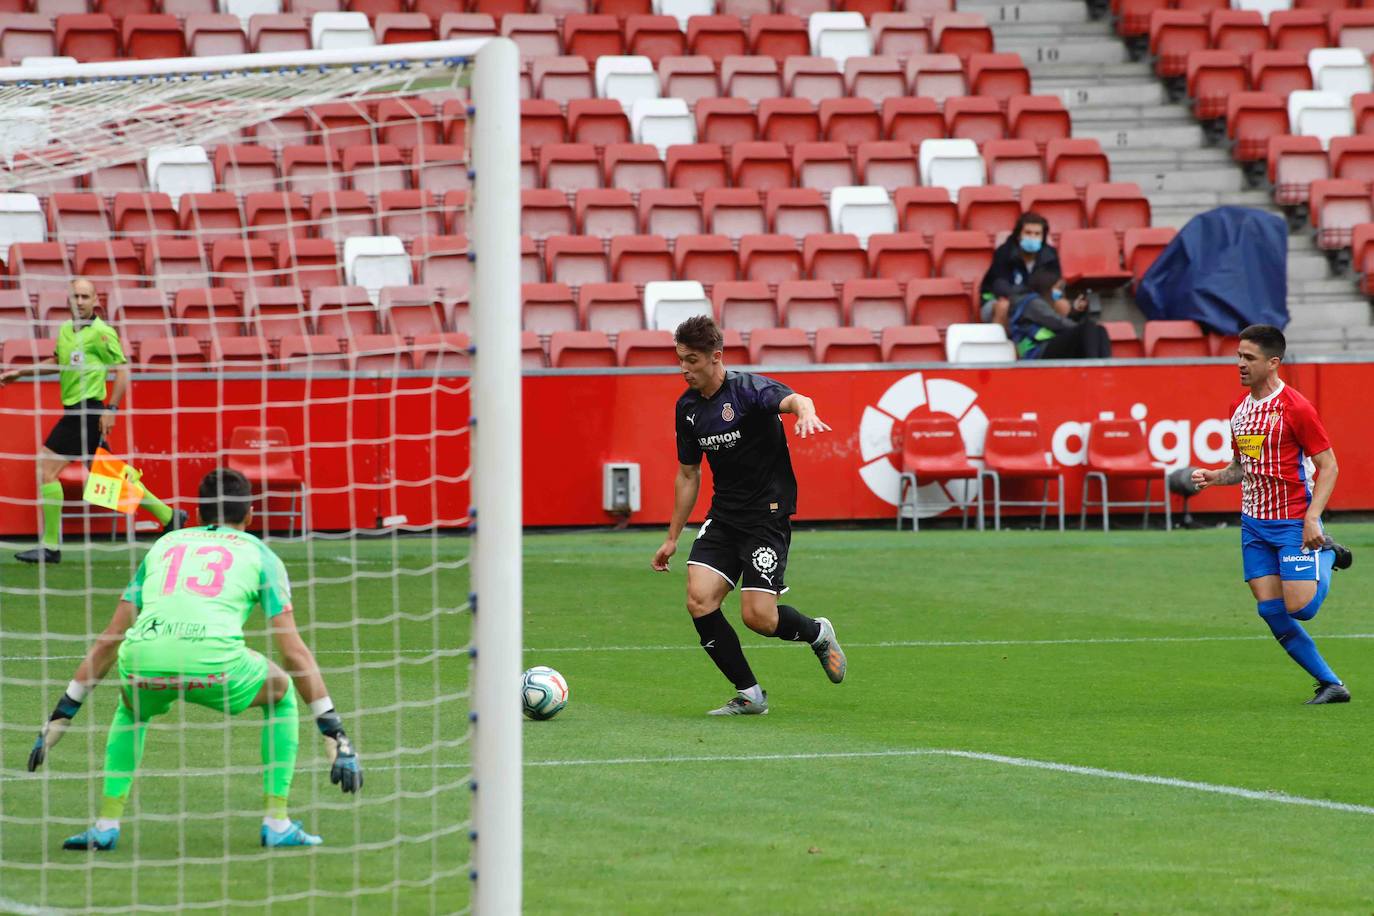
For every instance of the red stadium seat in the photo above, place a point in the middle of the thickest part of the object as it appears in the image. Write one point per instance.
(761, 166)
(1297, 30)
(1212, 77)
(1362, 256)
(963, 255)
(998, 76)
(307, 169)
(939, 302)
(717, 37)
(770, 258)
(1280, 72)
(1133, 16)
(1337, 206)
(912, 344)
(636, 347)
(933, 451)
(654, 37)
(1092, 257)
(342, 311)
(374, 169)
(939, 77)
(974, 118)
(961, 34)
(581, 350)
(888, 164)
(1077, 162)
(240, 263)
(148, 36)
(87, 37)
(274, 216)
(1251, 119)
(544, 213)
(567, 167)
(77, 217)
(271, 32)
(990, 208)
(547, 308)
(311, 353)
(1058, 203)
(536, 35)
(39, 266)
(670, 213)
(1142, 246)
(26, 35)
(813, 78)
(1223, 344)
(308, 263)
(606, 212)
(779, 347)
(706, 258)
(1174, 339)
(847, 345)
(900, 256)
(726, 121)
(240, 354)
(454, 25)
(275, 312)
(850, 121)
(745, 305)
(697, 166)
(162, 353)
(873, 303)
(926, 210)
(778, 36)
(1014, 163)
(243, 169)
(834, 257)
(634, 167)
(407, 123)
(1241, 31)
(876, 78)
(734, 212)
(176, 264)
(1118, 207)
(1125, 342)
(1353, 157)
(1041, 118)
(788, 121)
(441, 262)
(562, 79)
(592, 36)
(900, 34)
(410, 311)
(823, 166)
(1117, 450)
(398, 28)
(381, 353)
(1173, 35)
(339, 215)
(1294, 163)
(138, 315)
(108, 263)
(1351, 29)
(598, 121)
(207, 216)
(575, 259)
(610, 307)
(409, 214)
(541, 122)
(796, 211)
(688, 78)
(640, 259)
(206, 313)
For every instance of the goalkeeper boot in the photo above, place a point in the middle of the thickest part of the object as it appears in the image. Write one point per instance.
(827, 649)
(741, 705)
(40, 555)
(180, 518)
(1343, 555)
(293, 835)
(93, 839)
(1329, 693)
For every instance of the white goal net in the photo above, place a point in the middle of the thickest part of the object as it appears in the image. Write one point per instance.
(312, 266)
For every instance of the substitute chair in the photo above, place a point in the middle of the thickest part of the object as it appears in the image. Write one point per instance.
(1117, 450)
(933, 452)
(1014, 449)
(263, 455)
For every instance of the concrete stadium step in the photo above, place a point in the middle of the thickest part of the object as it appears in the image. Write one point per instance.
(1302, 267)
(1051, 51)
(1196, 178)
(1022, 15)
(1078, 97)
(1127, 135)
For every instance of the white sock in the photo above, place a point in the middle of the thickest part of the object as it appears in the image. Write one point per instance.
(276, 825)
(106, 823)
(753, 694)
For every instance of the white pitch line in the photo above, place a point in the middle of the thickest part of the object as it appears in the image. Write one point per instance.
(890, 644)
(23, 909)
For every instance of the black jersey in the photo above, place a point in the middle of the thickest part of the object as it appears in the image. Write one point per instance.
(741, 433)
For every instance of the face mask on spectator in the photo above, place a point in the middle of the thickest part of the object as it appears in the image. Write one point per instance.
(1030, 246)
(1057, 294)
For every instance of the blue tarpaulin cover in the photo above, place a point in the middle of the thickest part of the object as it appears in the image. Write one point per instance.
(1226, 269)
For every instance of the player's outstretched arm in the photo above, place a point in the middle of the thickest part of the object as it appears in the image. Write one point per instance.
(344, 769)
(686, 486)
(1230, 475)
(805, 409)
(90, 672)
(47, 365)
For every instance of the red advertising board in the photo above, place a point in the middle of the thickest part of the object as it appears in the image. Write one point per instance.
(376, 449)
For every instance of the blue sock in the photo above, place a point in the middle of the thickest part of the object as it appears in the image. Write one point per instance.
(1326, 559)
(1295, 640)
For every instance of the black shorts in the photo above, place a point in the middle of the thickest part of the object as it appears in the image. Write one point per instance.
(77, 434)
(750, 555)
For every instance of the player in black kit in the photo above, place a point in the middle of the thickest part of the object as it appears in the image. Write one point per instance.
(732, 417)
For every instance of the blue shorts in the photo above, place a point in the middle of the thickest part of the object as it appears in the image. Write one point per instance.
(1273, 547)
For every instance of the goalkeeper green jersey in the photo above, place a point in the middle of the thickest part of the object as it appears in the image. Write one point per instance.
(84, 358)
(194, 591)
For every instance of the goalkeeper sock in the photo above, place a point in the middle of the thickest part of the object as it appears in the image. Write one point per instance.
(794, 626)
(721, 642)
(161, 511)
(111, 810)
(281, 739)
(52, 514)
(123, 751)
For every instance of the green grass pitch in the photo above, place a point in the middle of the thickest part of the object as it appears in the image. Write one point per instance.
(1059, 667)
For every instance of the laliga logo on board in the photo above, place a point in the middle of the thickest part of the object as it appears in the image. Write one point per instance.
(1173, 443)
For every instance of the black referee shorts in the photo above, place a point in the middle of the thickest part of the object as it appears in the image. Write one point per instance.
(751, 555)
(77, 434)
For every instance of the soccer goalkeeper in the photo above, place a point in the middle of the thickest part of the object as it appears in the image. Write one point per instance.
(178, 632)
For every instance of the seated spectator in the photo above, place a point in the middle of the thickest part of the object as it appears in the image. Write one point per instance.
(1045, 325)
(1025, 251)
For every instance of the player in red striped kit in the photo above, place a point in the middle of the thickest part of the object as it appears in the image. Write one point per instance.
(1287, 470)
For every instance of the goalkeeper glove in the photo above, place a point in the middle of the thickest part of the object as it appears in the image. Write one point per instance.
(53, 729)
(344, 769)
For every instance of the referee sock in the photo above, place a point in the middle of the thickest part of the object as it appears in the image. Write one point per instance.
(1295, 641)
(721, 642)
(161, 511)
(794, 626)
(52, 514)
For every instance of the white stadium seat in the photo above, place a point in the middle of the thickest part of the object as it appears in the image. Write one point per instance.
(246, 9)
(341, 30)
(683, 10)
(951, 164)
(839, 36)
(1263, 7)
(862, 210)
(668, 303)
(47, 61)
(978, 343)
(180, 170)
(1344, 71)
(626, 79)
(375, 261)
(662, 123)
(1323, 115)
(24, 127)
(21, 220)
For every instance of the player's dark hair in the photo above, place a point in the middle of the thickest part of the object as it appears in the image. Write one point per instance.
(1268, 338)
(1042, 282)
(1031, 218)
(225, 497)
(699, 333)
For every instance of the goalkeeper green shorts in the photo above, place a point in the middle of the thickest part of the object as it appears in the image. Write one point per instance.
(224, 681)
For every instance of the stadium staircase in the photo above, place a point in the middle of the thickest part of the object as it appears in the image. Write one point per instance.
(1161, 146)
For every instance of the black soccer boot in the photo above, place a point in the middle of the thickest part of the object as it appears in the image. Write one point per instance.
(1329, 693)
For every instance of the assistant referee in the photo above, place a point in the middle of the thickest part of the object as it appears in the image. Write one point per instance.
(87, 350)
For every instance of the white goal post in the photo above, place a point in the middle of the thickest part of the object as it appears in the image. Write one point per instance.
(60, 120)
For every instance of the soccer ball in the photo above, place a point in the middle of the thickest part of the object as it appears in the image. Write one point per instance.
(544, 692)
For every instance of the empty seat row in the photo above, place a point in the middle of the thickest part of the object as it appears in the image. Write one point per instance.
(1253, 117)
(1295, 162)
(1174, 34)
(1212, 76)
